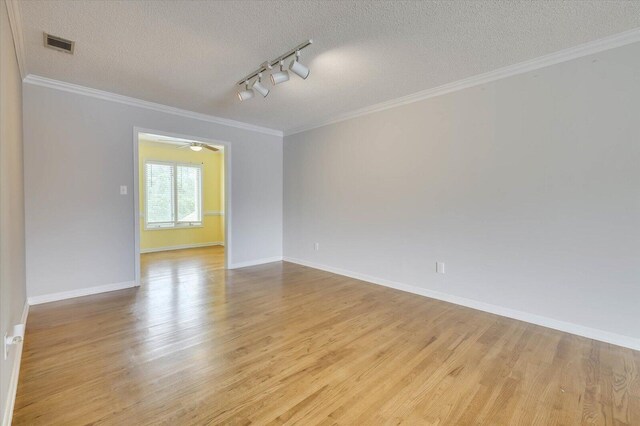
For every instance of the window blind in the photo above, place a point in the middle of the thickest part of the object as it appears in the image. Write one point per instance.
(189, 194)
(160, 197)
(173, 194)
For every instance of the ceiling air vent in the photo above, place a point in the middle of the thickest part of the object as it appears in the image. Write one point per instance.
(58, 43)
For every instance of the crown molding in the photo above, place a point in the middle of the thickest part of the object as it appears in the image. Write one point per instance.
(37, 80)
(15, 22)
(575, 52)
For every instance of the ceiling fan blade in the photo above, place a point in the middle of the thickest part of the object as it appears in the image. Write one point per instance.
(182, 147)
(210, 148)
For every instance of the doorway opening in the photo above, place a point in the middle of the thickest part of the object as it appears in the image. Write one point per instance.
(181, 201)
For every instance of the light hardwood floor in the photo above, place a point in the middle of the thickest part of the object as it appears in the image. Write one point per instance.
(281, 343)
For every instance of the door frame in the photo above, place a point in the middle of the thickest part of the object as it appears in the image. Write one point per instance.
(136, 192)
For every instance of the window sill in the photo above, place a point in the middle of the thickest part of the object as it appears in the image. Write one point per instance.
(169, 228)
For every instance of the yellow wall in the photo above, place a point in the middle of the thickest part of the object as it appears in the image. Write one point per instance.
(212, 197)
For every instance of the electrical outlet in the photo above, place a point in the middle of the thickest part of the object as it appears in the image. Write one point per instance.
(316, 246)
(439, 267)
(123, 189)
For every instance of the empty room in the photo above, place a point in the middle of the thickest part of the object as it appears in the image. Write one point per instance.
(320, 212)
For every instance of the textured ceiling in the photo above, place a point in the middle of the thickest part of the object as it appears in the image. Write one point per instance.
(190, 54)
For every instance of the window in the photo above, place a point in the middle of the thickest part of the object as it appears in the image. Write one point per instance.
(173, 195)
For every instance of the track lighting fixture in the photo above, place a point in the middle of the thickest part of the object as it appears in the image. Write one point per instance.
(276, 77)
(280, 76)
(246, 93)
(298, 68)
(260, 87)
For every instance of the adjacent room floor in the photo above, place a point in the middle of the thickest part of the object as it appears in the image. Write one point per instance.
(282, 343)
(158, 267)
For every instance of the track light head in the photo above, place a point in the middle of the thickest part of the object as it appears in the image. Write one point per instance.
(260, 88)
(298, 68)
(245, 94)
(280, 76)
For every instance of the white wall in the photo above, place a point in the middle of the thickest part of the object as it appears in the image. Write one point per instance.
(79, 150)
(12, 248)
(528, 188)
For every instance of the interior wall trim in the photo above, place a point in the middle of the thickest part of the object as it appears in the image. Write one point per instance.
(595, 46)
(255, 262)
(182, 246)
(572, 328)
(205, 213)
(15, 22)
(53, 297)
(15, 373)
(37, 80)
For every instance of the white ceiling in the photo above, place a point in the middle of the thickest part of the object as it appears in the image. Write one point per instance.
(191, 54)
(150, 137)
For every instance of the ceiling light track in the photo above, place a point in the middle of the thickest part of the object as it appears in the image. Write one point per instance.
(268, 65)
(276, 77)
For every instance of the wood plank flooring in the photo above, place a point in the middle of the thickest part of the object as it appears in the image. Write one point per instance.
(285, 344)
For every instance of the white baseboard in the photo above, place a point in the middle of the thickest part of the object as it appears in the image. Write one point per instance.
(7, 416)
(591, 333)
(255, 262)
(182, 246)
(53, 297)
